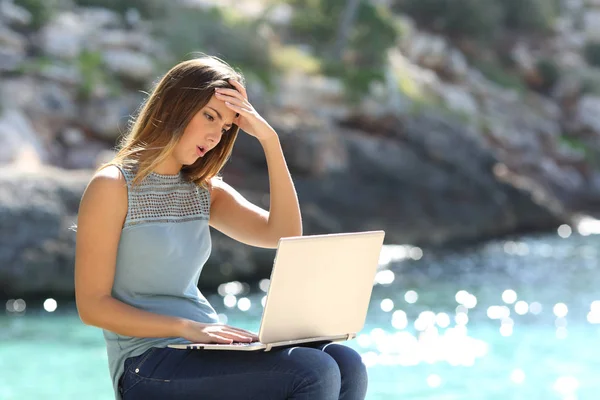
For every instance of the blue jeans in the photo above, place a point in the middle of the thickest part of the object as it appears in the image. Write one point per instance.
(321, 371)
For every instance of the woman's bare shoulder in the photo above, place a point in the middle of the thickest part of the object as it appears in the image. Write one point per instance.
(107, 185)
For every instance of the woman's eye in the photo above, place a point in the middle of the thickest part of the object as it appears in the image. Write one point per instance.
(209, 117)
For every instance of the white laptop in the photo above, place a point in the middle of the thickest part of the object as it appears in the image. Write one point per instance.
(319, 291)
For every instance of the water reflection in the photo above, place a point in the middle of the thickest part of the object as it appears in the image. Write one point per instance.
(480, 306)
(50, 305)
(509, 319)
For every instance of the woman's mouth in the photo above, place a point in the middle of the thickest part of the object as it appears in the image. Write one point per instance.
(200, 150)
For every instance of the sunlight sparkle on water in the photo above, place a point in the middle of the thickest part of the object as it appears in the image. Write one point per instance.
(588, 226)
(498, 312)
(411, 297)
(425, 320)
(16, 306)
(230, 288)
(560, 322)
(387, 305)
(392, 253)
(454, 347)
(416, 253)
(230, 301)
(461, 296)
(442, 320)
(506, 330)
(264, 285)
(471, 301)
(434, 380)
(561, 333)
(509, 296)
(384, 277)
(364, 340)
(560, 310)
(461, 319)
(399, 320)
(50, 305)
(593, 316)
(535, 308)
(566, 385)
(244, 304)
(517, 376)
(466, 299)
(506, 326)
(521, 307)
(461, 309)
(564, 231)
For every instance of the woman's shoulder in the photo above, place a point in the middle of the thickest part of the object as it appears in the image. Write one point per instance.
(107, 184)
(105, 196)
(109, 176)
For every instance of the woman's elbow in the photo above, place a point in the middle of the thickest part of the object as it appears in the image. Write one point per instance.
(86, 311)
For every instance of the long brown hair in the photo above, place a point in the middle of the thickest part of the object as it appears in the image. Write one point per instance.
(164, 115)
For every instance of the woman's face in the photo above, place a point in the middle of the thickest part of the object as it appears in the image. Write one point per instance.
(204, 131)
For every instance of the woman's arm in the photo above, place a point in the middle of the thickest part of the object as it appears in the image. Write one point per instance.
(101, 214)
(245, 222)
(235, 216)
(284, 215)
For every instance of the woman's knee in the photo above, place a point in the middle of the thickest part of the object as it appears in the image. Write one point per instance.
(319, 372)
(350, 363)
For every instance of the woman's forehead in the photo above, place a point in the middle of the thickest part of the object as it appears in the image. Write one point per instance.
(226, 113)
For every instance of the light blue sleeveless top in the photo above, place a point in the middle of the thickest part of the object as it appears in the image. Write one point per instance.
(165, 242)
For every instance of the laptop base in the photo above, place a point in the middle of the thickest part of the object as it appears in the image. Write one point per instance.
(257, 346)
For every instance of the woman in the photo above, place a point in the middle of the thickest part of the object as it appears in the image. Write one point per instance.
(143, 238)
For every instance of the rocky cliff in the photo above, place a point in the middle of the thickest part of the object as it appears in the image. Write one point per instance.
(437, 154)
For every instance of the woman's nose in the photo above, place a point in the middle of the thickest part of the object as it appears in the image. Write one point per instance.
(212, 137)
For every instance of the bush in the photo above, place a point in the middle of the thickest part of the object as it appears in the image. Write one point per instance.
(592, 53)
(549, 72)
(495, 73)
(41, 10)
(477, 18)
(364, 57)
(220, 33)
(93, 74)
(286, 58)
(147, 8)
(481, 18)
(530, 15)
(357, 81)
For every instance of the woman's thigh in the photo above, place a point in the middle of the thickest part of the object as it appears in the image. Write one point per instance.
(292, 373)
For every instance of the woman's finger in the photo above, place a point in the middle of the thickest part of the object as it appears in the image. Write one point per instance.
(237, 337)
(240, 87)
(245, 332)
(232, 100)
(230, 92)
(238, 109)
(238, 331)
(220, 339)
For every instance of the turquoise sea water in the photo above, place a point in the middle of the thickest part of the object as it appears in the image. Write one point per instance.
(516, 319)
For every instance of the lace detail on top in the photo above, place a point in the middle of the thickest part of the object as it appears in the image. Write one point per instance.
(164, 198)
